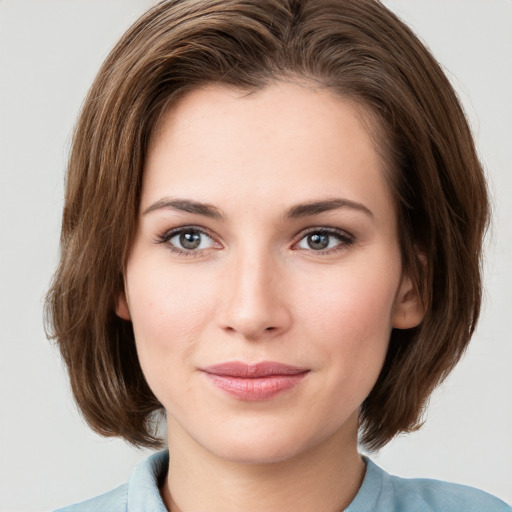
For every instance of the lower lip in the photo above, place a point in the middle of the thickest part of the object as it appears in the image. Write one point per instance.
(255, 389)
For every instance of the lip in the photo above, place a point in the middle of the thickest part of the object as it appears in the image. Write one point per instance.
(254, 382)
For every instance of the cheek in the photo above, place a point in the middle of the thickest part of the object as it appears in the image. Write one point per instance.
(350, 321)
(168, 312)
(165, 297)
(355, 304)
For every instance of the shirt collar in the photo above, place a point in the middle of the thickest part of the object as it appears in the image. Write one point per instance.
(144, 492)
(143, 486)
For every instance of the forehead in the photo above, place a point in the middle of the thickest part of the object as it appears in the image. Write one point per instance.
(296, 141)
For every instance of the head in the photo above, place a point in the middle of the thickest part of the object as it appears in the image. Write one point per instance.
(355, 50)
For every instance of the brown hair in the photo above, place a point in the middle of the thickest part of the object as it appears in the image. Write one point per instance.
(359, 50)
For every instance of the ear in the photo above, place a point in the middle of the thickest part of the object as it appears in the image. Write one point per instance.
(408, 311)
(122, 309)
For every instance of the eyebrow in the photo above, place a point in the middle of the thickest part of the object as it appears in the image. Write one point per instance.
(317, 207)
(296, 212)
(186, 205)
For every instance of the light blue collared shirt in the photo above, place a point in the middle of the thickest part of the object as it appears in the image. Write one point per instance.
(380, 492)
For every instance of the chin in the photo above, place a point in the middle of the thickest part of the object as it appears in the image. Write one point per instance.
(264, 444)
(252, 452)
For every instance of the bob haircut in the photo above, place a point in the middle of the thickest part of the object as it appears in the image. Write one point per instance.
(360, 51)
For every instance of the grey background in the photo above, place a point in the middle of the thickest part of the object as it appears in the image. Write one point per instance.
(49, 53)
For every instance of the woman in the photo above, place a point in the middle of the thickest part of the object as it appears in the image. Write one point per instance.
(272, 233)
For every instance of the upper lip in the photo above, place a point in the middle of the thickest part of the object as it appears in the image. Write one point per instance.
(253, 371)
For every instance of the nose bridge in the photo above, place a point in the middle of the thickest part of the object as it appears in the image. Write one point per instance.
(255, 305)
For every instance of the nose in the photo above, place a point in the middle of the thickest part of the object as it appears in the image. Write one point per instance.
(254, 304)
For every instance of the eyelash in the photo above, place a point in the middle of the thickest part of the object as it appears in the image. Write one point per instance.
(345, 240)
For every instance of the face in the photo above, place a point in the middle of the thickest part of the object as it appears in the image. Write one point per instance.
(265, 276)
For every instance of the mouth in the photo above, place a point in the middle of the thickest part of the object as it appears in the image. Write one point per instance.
(254, 382)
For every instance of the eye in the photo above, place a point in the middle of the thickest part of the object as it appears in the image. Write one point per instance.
(324, 240)
(187, 240)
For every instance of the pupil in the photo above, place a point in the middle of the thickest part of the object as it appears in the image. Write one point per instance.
(318, 241)
(190, 240)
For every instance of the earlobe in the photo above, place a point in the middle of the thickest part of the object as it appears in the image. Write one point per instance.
(122, 309)
(409, 310)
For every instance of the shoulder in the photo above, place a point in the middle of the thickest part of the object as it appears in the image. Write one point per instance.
(432, 495)
(382, 492)
(141, 493)
(113, 501)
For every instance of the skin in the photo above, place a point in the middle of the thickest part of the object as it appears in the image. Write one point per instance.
(256, 290)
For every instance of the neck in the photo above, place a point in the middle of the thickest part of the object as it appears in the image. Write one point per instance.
(325, 477)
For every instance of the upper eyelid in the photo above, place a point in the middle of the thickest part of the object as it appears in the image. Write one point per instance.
(324, 229)
(170, 233)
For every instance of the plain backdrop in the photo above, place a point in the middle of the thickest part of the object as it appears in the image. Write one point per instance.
(49, 53)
